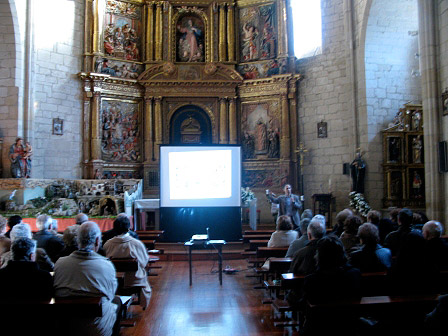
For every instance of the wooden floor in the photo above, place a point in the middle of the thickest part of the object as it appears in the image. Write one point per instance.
(206, 308)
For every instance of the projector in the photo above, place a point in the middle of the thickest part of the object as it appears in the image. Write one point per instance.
(199, 237)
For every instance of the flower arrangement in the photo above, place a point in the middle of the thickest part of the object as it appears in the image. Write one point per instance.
(359, 203)
(247, 195)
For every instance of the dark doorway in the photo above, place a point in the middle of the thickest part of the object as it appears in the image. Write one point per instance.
(190, 124)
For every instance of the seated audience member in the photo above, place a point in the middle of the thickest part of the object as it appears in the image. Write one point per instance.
(370, 257)
(13, 220)
(111, 233)
(436, 246)
(5, 242)
(349, 237)
(384, 225)
(69, 238)
(393, 213)
(306, 214)
(435, 321)
(86, 273)
(394, 240)
(413, 271)
(22, 278)
(332, 272)
(54, 228)
(284, 234)
(340, 220)
(304, 261)
(23, 230)
(302, 241)
(81, 218)
(46, 239)
(126, 246)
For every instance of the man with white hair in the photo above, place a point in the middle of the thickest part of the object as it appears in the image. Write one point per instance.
(46, 239)
(86, 273)
(81, 218)
(436, 247)
(23, 230)
(304, 261)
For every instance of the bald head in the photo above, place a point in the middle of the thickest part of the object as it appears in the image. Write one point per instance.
(432, 229)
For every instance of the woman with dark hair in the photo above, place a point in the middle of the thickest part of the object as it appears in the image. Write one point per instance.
(349, 237)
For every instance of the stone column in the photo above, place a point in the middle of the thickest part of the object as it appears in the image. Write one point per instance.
(223, 121)
(148, 130)
(157, 126)
(231, 32)
(232, 121)
(159, 31)
(285, 137)
(150, 32)
(222, 33)
(434, 193)
(283, 31)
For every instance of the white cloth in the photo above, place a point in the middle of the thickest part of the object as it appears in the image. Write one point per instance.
(282, 238)
(88, 274)
(125, 246)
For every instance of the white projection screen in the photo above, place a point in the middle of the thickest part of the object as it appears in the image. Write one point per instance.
(200, 176)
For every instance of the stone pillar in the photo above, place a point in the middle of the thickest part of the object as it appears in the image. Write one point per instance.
(159, 31)
(232, 121)
(434, 192)
(285, 137)
(150, 32)
(148, 130)
(222, 33)
(157, 126)
(231, 32)
(223, 121)
(283, 31)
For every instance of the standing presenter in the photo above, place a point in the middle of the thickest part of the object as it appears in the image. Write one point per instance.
(289, 204)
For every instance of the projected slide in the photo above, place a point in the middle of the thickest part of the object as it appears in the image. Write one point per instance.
(196, 176)
(200, 175)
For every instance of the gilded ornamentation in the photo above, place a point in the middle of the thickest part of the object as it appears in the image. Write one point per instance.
(210, 69)
(168, 68)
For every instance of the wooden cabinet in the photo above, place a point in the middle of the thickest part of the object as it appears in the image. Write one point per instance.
(403, 159)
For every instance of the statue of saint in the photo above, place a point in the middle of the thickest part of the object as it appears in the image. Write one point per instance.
(20, 157)
(358, 173)
(261, 136)
(417, 150)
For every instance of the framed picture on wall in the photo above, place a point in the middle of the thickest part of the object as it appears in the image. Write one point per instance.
(58, 126)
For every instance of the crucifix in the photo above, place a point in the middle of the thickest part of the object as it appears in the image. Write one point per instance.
(301, 150)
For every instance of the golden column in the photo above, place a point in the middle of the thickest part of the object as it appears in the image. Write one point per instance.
(148, 130)
(150, 32)
(223, 128)
(159, 31)
(95, 143)
(96, 27)
(157, 126)
(285, 139)
(222, 33)
(231, 32)
(232, 121)
(283, 30)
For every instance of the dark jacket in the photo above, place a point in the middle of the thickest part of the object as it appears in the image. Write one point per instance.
(52, 244)
(304, 261)
(24, 280)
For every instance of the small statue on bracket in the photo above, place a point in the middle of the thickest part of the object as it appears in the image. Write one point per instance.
(20, 156)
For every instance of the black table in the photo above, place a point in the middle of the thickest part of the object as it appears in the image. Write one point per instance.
(207, 244)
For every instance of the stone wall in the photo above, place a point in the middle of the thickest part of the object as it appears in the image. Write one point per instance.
(55, 57)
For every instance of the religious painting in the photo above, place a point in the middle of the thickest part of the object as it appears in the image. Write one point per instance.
(415, 149)
(261, 130)
(258, 33)
(265, 178)
(123, 30)
(394, 149)
(121, 69)
(114, 174)
(120, 133)
(322, 130)
(58, 126)
(416, 183)
(263, 69)
(396, 184)
(190, 32)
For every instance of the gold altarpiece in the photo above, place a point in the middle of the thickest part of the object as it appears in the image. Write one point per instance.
(198, 72)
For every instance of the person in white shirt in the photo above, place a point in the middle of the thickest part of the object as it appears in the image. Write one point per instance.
(284, 235)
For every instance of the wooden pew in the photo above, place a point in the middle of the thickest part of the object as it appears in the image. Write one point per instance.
(256, 243)
(246, 238)
(258, 232)
(149, 243)
(268, 252)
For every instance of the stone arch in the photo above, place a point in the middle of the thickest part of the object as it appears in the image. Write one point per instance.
(387, 76)
(199, 115)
